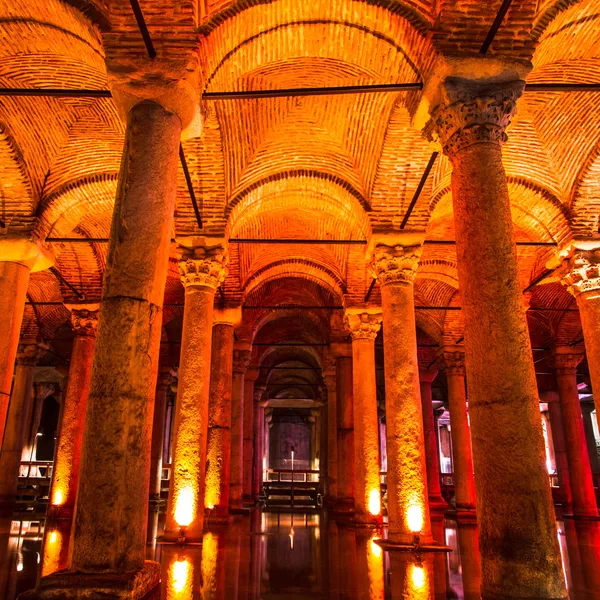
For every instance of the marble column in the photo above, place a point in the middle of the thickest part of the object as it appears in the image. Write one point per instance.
(582, 485)
(453, 363)
(345, 423)
(163, 384)
(408, 508)
(241, 360)
(218, 456)
(432, 455)
(20, 256)
(28, 353)
(586, 409)
(259, 440)
(581, 276)
(41, 391)
(250, 377)
(330, 380)
(367, 493)
(519, 547)
(560, 450)
(202, 271)
(67, 459)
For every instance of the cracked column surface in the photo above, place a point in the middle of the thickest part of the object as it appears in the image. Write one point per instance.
(517, 528)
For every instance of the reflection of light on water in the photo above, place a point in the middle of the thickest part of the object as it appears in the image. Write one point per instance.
(19, 561)
(180, 571)
(291, 536)
(210, 550)
(375, 569)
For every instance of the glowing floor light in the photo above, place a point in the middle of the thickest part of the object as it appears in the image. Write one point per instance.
(374, 502)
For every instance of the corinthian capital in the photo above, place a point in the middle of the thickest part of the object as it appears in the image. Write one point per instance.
(453, 361)
(204, 267)
(395, 263)
(565, 360)
(30, 352)
(84, 321)
(581, 271)
(470, 113)
(241, 360)
(363, 325)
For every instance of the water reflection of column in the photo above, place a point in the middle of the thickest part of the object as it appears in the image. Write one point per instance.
(369, 558)
(440, 559)
(411, 578)
(333, 563)
(470, 559)
(214, 567)
(8, 556)
(243, 542)
(181, 572)
(347, 562)
(255, 555)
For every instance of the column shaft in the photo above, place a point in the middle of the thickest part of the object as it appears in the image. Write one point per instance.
(520, 554)
(14, 435)
(560, 449)
(345, 402)
(158, 436)
(587, 408)
(582, 485)
(259, 417)
(241, 359)
(110, 536)
(367, 493)
(432, 456)
(248, 446)
(218, 457)
(332, 430)
(186, 491)
(14, 280)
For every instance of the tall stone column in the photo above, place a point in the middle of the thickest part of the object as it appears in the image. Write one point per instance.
(29, 352)
(453, 363)
(218, 456)
(165, 378)
(41, 391)
(367, 493)
(259, 440)
(408, 507)
(241, 360)
(560, 450)
(582, 484)
(519, 547)
(19, 257)
(432, 456)
(330, 379)
(250, 377)
(67, 459)
(581, 276)
(345, 422)
(586, 410)
(202, 271)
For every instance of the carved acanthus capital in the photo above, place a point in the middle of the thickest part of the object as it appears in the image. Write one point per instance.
(241, 360)
(84, 322)
(206, 267)
(471, 113)
(363, 326)
(565, 361)
(29, 353)
(395, 263)
(259, 390)
(453, 362)
(167, 376)
(581, 271)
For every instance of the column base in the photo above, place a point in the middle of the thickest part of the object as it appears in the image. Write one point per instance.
(344, 506)
(412, 547)
(211, 519)
(465, 515)
(437, 504)
(74, 585)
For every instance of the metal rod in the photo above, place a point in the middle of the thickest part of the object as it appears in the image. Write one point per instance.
(359, 89)
(291, 241)
(419, 189)
(370, 290)
(58, 274)
(292, 307)
(291, 344)
(453, 242)
(190, 185)
(221, 295)
(537, 280)
(489, 38)
(316, 91)
(141, 22)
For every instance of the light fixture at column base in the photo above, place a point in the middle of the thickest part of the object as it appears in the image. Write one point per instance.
(407, 547)
(75, 585)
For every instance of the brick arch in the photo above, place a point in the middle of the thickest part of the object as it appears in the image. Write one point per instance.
(547, 12)
(16, 195)
(585, 199)
(440, 269)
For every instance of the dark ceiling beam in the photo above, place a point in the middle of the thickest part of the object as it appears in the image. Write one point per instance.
(59, 276)
(141, 23)
(190, 185)
(419, 189)
(453, 243)
(489, 38)
(290, 241)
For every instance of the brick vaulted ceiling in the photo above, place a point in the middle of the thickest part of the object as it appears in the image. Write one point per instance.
(304, 167)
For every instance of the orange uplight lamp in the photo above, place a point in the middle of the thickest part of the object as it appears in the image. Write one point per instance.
(414, 519)
(185, 508)
(57, 498)
(374, 502)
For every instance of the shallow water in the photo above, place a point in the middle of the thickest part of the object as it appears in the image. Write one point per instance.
(273, 556)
